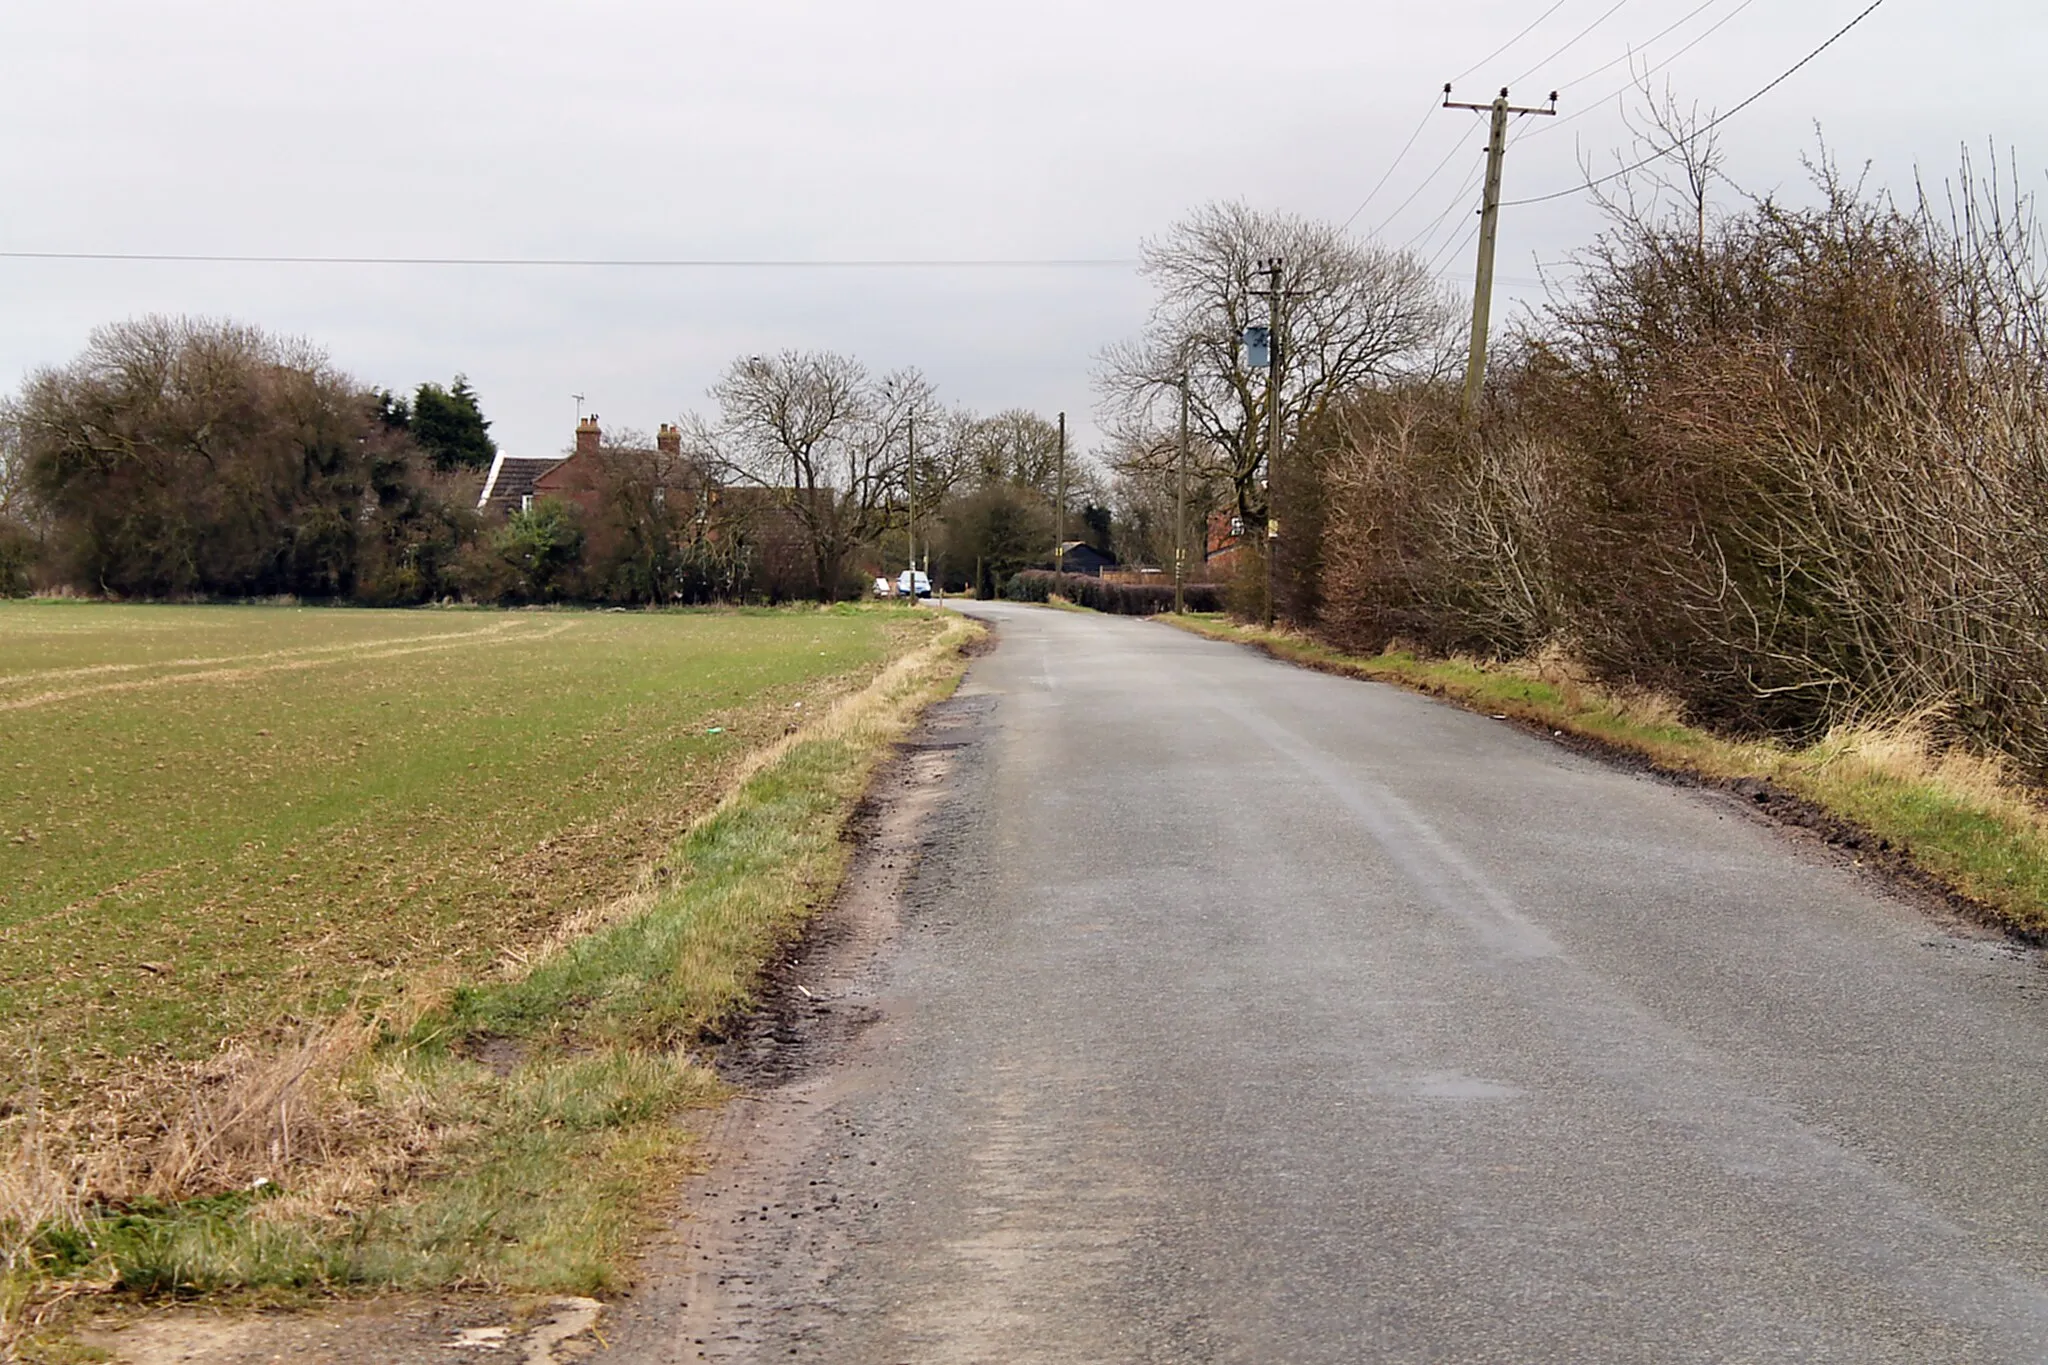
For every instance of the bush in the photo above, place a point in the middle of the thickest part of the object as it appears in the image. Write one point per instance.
(532, 558)
(1786, 470)
(19, 553)
(1118, 599)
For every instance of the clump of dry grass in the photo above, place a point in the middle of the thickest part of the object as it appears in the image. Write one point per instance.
(255, 1114)
(1908, 751)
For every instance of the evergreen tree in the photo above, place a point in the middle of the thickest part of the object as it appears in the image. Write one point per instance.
(394, 412)
(451, 428)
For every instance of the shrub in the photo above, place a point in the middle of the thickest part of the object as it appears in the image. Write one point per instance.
(1783, 467)
(532, 558)
(19, 554)
(1119, 599)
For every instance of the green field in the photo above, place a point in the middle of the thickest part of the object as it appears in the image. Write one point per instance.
(218, 820)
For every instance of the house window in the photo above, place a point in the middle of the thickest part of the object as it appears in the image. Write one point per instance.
(526, 502)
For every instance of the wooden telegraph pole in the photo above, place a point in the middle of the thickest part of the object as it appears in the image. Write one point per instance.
(1489, 233)
(910, 497)
(1276, 294)
(1059, 516)
(1180, 503)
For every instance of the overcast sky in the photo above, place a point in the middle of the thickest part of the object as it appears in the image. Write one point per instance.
(851, 129)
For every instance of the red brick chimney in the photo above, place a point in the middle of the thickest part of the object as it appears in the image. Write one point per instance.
(588, 435)
(669, 440)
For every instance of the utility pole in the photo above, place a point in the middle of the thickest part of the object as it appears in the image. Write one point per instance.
(910, 496)
(1489, 233)
(1180, 503)
(1274, 268)
(1059, 516)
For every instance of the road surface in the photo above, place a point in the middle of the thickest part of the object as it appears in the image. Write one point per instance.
(1241, 1013)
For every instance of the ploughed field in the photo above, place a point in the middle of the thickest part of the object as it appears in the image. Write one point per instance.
(220, 822)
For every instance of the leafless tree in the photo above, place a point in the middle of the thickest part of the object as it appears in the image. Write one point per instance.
(827, 444)
(1362, 313)
(1014, 446)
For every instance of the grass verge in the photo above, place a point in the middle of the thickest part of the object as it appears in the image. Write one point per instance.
(1962, 820)
(508, 1135)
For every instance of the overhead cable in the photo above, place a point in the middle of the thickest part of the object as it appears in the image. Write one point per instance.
(1427, 181)
(1570, 45)
(1659, 36)
(1636, 81)
(1509, 43)
(1459, 200)
(1711, 124)
(550, 262)
(1406, 147)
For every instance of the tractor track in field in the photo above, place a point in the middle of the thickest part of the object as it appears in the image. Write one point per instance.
(500, 634)
(100, 670)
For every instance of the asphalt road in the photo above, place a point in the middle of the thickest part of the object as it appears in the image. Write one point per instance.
(1240, 1013)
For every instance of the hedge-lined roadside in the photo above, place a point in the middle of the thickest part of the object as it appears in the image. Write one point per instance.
(1961, 820)
(1118, 599)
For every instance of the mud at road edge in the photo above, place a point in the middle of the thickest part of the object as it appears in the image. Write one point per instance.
(753, 1215)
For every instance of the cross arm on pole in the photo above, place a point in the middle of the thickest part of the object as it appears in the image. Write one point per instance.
(1500, 104)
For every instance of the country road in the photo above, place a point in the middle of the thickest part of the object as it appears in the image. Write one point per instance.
(1240, 1013)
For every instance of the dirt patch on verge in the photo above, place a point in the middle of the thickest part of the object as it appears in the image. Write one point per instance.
(792, 1057)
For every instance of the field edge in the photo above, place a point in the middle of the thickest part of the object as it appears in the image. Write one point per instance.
(557, 1099)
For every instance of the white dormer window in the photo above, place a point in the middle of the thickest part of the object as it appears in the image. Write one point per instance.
(526, 502)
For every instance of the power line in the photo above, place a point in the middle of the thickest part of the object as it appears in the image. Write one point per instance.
(1648, 71)
(1416, 193)
(1432, 106)
(1509, 43)
(1458, 201)
(1715, 122)
(1570, 45)
(1457, 242)
(545, 262)
(1406, 147)
(1655, 38)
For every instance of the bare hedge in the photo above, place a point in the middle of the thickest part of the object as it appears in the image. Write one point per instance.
(1793, 471)
(1120, 599)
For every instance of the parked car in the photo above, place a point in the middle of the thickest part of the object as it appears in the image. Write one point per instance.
(914, 582)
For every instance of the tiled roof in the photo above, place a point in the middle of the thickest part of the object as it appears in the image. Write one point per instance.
(511, 482)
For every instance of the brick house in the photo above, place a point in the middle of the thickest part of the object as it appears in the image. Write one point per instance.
(1225, 545)
(509, 487)
(516, 481)
(761, 528)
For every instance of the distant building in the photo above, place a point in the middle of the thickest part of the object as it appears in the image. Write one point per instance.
(1224, 547)
(591, 469)
(764, 529)
(515, 481)
(1078, 556)
(509, 487)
